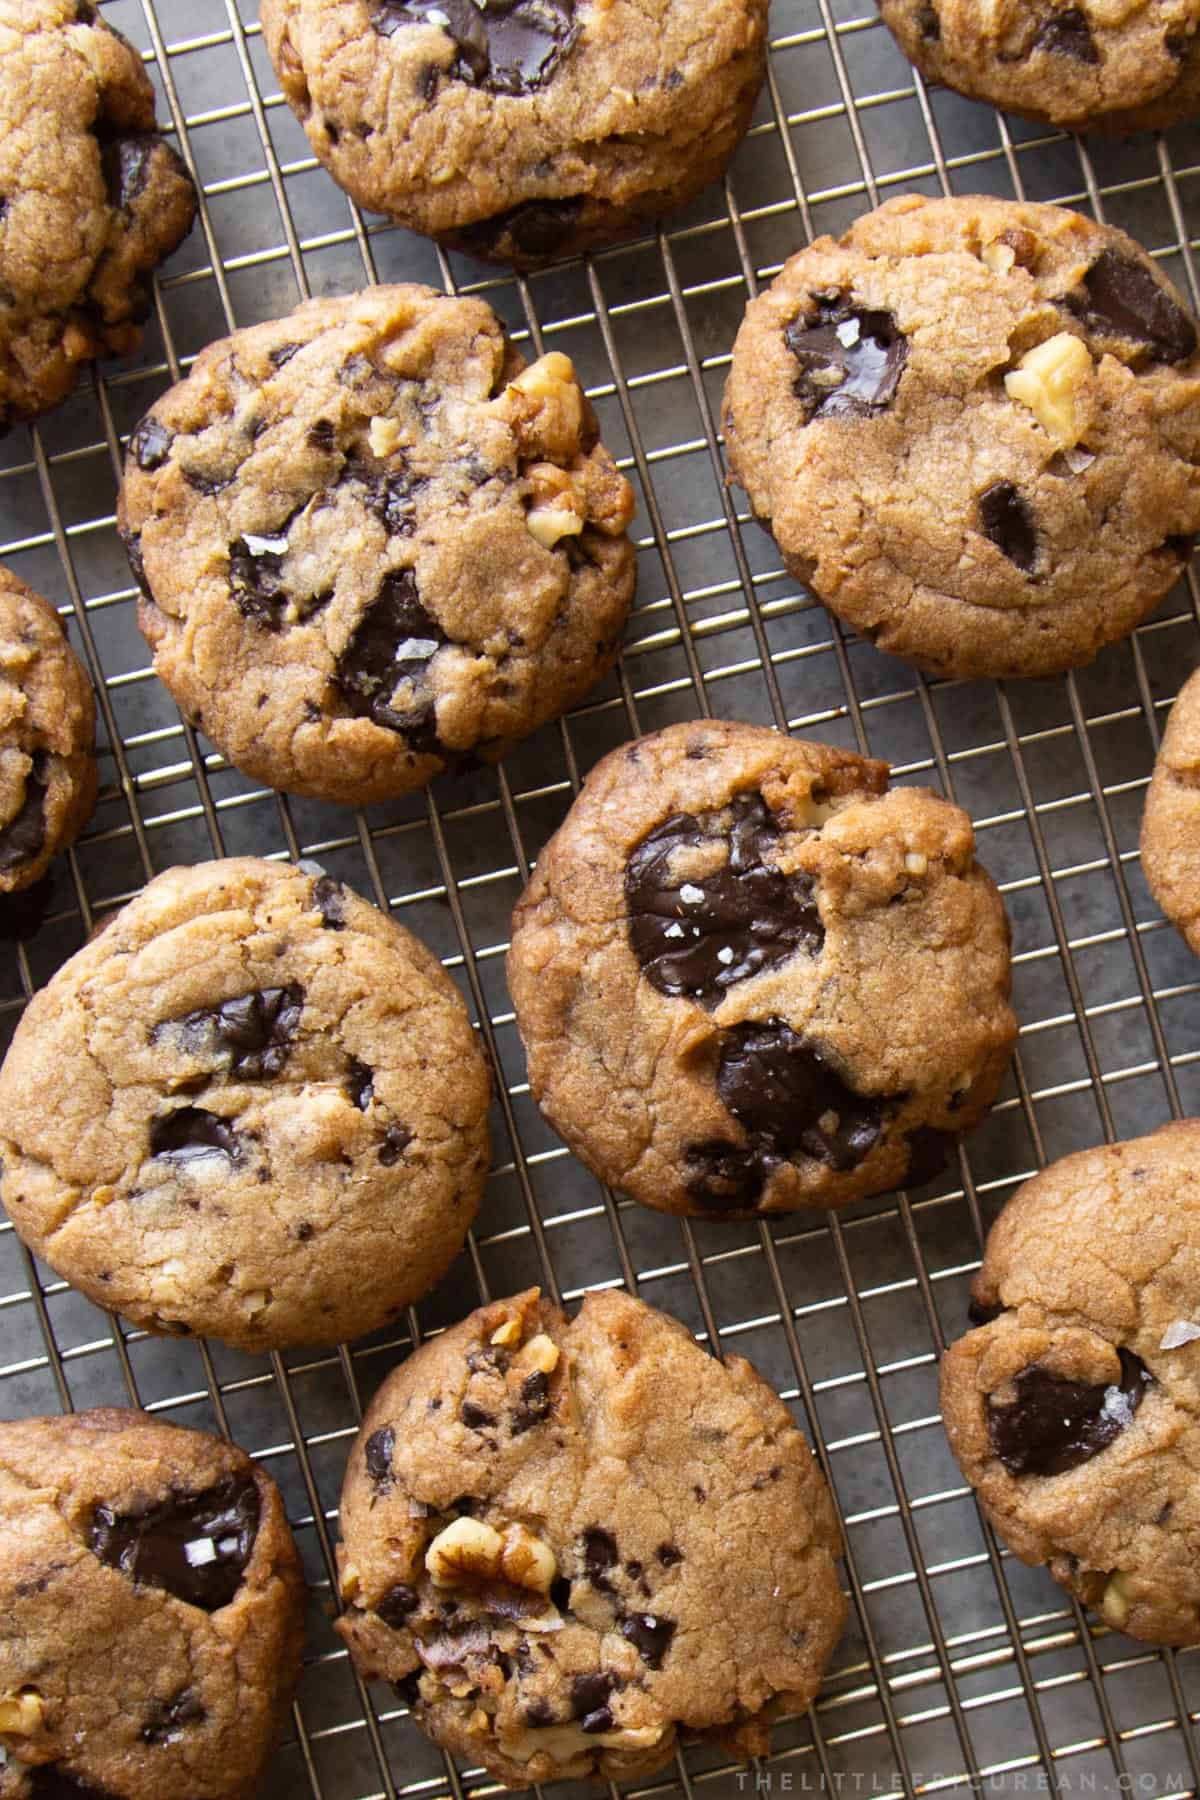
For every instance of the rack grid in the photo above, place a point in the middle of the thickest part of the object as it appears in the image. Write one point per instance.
(960, 1670)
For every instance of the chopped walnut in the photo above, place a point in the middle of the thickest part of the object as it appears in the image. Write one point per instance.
(1048, 381)
(384, 435)
(556, 509)
(544, 406)
(21, 1714)
(507, 1335)
(1117, 1596)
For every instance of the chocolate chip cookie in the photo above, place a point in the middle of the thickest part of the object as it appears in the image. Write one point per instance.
(374, 544)
(251, 1106)
(151, 1611)
(973, 426)
(1072, 1409)
(750, 978)
(93, 198)
(566, 1542)
(1171, 822)
(47, 735)
(1113, 65)
(521, 130)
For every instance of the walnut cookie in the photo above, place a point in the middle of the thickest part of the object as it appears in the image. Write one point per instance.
(94, 198)
(373, 543)
(151, 1611)
(1171, 821)
(973, 427)
(750, 978)
(567, 1542)
(1073, 1408)
(47, 737)
(1110, 65)
(521, 130)
(252, 1107)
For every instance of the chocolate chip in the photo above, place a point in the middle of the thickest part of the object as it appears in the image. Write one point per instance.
(1067, 33)
(408, 1688)
(506, 46)
(330, 901)
(726, 1177)
(1180, 546)
(1055, 1424)
(127, 160)
(377, 1455)
(195, 1546)
(132, 541)
(165, 1720)
(698, 935)
(360, 1084)
(1120, 295)
(560, 1593)
(474, 1417)
(322, 436)
(786, 1095)
(252, 1033)
(256, 579)
(539, 1712)
(392, 499)
(668, 1555)
(397, 1605)
(650, 1634)
(282, 353)
(206, 484)
(534, 1403)
(928, 24)
(1007, 520)
(50, 1781)
(536, 228)
(396, 1140)
(979, 1314)
(1177, 45)
(25, 833)
(851, 358)
(928, 1153)
(395, 640)
(189, 1133)
(588, 1694)
(150, 444)
(599, 1555)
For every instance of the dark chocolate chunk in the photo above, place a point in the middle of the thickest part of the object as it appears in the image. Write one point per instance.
(589, 1693)
(377, 1454)
(360, 1084)
(132, 541)
(539, 1712)
(50, 1781)
(1055, 1424)
(330, 902)
(726, 1177)
(1067, 33)
(851, 358)
(534, 1403)
(474, 1417)
(1121, 295)
(256, 579)
(789, 1099)
(253, 1033)
(165, 1720)
(600, 1720)
(127, 159)
(392, 498)
(560, 1593)
(535, 228)
(282, 353)
(1181, 546)
(396, 639)
(699, 935)
(322, 436)
(650, 1634)
(1007, 520)
(190, 1132)
(506, 46)
(599, 1555)
(398, 1604)
(195, 1546)
(1178, 45)
(668, 1555)
(25, 833)
(408, 1688)
(205, 483)
(150, 444)
(396, 1139)
(928, 23)
(979, 1314)
(928, 1153)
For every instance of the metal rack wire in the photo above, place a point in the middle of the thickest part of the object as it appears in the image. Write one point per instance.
(960, 1669)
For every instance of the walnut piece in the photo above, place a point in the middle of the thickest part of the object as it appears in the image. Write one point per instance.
(557, 510)
(1115, 1603)
(469, 1552)
(1048, 380)
(544, 408)
(21, 1714)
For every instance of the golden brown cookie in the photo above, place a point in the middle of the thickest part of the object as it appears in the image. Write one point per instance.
(1171, 821)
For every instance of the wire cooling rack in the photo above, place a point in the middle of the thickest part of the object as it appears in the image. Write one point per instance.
(960, 1670)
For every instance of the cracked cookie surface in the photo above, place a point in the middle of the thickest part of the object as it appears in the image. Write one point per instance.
(565, 1542)
(1113, 65)
(151, 1611)
(1073, 1409)
(1171, 821)
(93, 198)
(374, 544)
(47, 737)
(251, 1107)
(749, 978)
(521, 130)
(973, 427)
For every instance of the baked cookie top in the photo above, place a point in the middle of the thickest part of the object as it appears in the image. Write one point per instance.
(570, 1540)
(47, 732)
(1116, 65)
(749, 977)
(94, 198)
(1074, 1409)
(251, 1107)
(520, 129)
(973, 427)
(151, 1611)
(1171, 821)
(373, 542)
